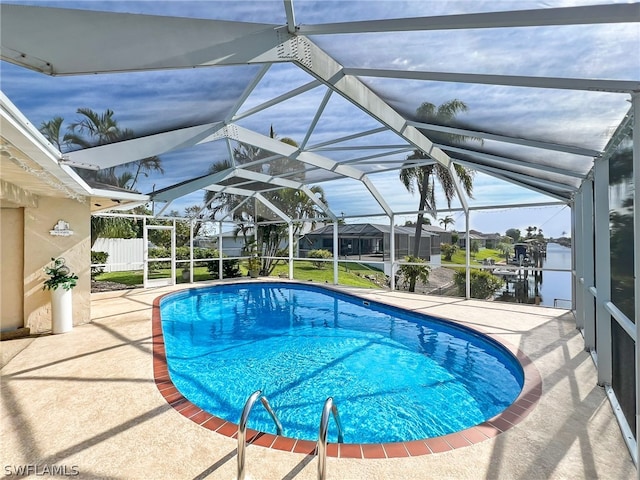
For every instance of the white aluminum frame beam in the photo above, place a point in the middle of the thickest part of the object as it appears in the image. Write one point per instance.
(603, 267)
(512, 161)
(371, 158)
(316, 117)
(185, 188)
(279, 99)
(291, 17)
(252, 138)
(119, 153)
(322, 66)
(523, 176)
(347, 148)
(635, 104)
(588, 263)
(503, 176)
(586, 152)
(46, 40)
(346, 138)
(283, 182)
(273, 208)
(593, 85)
(586, 15)
(247, 91)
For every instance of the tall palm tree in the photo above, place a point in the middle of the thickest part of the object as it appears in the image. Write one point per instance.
(446, 221)
(423, 178)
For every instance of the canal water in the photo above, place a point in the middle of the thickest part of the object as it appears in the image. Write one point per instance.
(548, 288)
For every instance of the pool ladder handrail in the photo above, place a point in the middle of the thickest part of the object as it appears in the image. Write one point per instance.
(242, 427)
(329, 407)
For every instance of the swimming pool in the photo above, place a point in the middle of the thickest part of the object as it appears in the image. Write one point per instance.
(395, 375)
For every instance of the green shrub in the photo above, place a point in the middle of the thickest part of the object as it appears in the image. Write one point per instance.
(230, 268)
(483, 283)
(98, 257)
(182, 253)
(319, 254)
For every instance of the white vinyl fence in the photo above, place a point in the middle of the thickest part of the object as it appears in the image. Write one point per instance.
(124, 253)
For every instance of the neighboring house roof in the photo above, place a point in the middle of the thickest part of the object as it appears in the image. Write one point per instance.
(492, 236)
(472, 236)
(434, 228)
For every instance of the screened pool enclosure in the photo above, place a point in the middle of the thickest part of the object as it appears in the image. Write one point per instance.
(304, 114)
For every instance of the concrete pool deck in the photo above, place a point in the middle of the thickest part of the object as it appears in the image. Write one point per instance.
(87, 401)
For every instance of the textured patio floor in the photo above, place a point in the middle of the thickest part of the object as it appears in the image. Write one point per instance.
(86, 401)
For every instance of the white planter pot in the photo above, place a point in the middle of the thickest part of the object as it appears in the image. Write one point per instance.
(61, 310)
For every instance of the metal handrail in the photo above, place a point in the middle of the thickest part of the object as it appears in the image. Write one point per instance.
(329, 407)
(242, 427)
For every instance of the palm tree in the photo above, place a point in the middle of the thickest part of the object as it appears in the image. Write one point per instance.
(423, 177)
(446, 221)
(92, 129)
(52, 131)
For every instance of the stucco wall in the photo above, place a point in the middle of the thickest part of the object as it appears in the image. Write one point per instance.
(11, 270)
(40, 246)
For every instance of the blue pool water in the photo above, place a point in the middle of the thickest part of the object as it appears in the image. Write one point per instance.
(394, 375)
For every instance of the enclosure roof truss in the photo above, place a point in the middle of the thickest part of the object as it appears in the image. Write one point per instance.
(45, 40)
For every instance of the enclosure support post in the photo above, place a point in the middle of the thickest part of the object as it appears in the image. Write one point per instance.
(603, 267)
(290, 251)
(579, 259)
(467, 256)
(588, 264)
(392, 253)
(574, 278)
(191, 250)
(220, 261)
(335, 253)
(145, 253)
(173, 252)
(635, 99)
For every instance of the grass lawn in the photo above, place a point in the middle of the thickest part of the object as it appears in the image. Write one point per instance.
(351, 274)
(476, 258)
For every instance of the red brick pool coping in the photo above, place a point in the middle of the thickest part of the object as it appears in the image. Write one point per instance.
(514, 414)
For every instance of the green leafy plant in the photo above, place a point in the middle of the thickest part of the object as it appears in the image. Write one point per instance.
(59, 275)
(412, 273)
(448, 250)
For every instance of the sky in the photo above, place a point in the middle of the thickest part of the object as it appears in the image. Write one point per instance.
(149, 102)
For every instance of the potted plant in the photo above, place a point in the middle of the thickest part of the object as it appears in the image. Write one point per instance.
(254, 265)
(61, 281)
